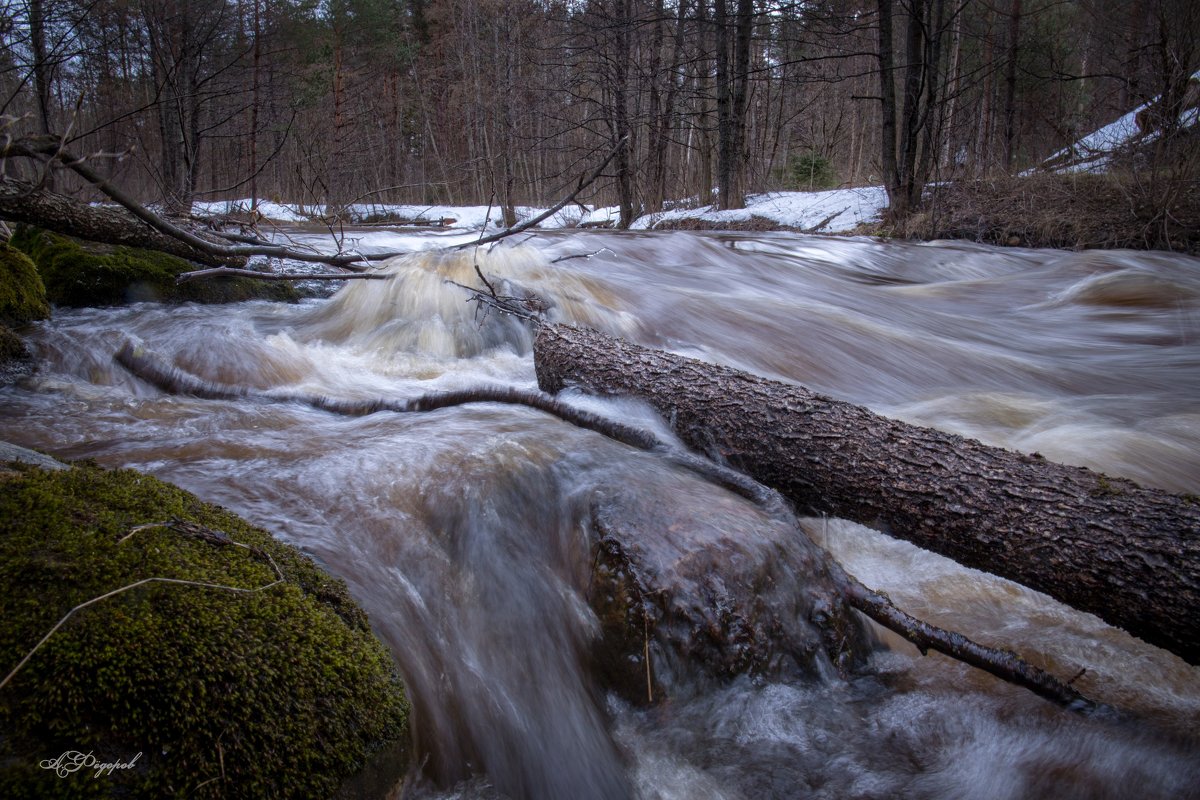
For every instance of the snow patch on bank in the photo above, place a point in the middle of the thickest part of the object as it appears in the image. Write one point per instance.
(830, 211)
(474, 218)
(1094, 152)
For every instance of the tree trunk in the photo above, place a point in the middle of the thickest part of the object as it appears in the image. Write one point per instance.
(918, 104)
(171, 37)
(1010, 85)
(743, 29)
(1128, 554)
(897, 199)
(621, 124)
(725, 137)
(32, 205)
(42, 69)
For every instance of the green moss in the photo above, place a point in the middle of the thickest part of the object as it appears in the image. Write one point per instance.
(278, 693)
(75, 275)
(22, 295)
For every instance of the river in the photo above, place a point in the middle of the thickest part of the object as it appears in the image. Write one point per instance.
(463, 531)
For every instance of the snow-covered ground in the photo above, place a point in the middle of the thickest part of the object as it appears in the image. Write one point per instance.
(465, 217)
(1093, 152)
(829, 212)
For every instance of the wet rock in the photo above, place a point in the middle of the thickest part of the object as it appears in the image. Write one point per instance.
(699, 586)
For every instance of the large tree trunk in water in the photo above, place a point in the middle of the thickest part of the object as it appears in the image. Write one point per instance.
(1128, 554)
(33, 205)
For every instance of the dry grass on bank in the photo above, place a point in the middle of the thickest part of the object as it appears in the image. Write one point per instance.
(755, 224)
(1080, 211)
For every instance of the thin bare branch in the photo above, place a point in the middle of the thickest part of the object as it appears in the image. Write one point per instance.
(532, 222)
(181, 526)
(232, 272)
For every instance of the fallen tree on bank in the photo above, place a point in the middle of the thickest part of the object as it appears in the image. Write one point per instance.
(28, 203)
(1128, 554)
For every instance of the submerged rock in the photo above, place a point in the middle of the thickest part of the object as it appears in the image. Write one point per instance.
(201, 692)
(699, 586)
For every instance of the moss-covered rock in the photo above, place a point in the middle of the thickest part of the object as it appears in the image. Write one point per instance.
(98, 275)
(22, 295)
(11, 346)
(22, 300)
(281, 692)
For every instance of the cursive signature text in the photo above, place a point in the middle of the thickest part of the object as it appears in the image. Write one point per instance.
(73, 761)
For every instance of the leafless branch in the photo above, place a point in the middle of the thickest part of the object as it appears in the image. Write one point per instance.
(584, 182)
(219, 272)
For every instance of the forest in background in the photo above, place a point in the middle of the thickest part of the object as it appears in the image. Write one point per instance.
(329, 102)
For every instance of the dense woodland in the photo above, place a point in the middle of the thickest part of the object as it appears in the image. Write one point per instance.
(328, 102)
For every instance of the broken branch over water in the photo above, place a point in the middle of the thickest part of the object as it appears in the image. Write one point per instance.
(231, 272)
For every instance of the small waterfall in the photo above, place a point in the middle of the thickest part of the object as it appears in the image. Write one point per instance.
(426, 308)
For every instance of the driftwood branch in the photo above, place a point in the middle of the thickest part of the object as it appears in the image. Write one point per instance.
(561, 259)
(33, 204)
(1002, 663)
(49, 149)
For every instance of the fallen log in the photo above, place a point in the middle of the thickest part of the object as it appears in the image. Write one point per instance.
(34, 205)
(1129, 554)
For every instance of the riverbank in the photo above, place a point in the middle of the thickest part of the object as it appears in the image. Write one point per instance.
(1072, 211)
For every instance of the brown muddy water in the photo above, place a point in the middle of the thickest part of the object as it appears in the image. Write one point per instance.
(463, 531)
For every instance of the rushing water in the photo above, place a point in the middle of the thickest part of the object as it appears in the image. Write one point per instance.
(464, 531)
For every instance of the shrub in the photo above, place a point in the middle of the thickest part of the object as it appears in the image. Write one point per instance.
(1078, 211)
(810, 170)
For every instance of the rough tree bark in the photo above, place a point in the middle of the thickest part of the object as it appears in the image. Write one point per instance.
(1128, 554)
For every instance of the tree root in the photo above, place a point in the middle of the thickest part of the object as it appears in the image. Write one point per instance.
(1003, 664)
